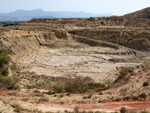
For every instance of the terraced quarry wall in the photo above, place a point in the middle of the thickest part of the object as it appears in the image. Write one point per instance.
(138, 39)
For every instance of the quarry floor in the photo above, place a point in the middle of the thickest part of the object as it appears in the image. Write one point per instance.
(98, 63)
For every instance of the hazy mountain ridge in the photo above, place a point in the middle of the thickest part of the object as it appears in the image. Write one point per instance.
(24, 15)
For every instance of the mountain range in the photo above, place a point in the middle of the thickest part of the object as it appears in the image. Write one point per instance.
(26, 15)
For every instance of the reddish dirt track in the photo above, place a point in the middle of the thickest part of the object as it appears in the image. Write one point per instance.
(115, 106)
(87, 106)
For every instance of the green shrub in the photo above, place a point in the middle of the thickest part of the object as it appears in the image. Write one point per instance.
(96, 85)
(145, 111)
(135, 97)
(145, 84)
(4, 59)
(5, 71)
(76, 86)
(58, 88)
(123, 110)
(8, 83)
(2, 51)
(143, 95)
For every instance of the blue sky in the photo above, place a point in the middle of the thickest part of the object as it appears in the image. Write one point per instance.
(116, 7)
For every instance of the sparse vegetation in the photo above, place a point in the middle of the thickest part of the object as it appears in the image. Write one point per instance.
(98, 86)
(123, 92)
(8, 83)
(5, 81)
(4, 59)
(5, 71)
(77, 86)
(58, 87)
(135, 98)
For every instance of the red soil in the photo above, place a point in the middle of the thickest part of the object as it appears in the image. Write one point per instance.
(115, 106)
(86, 105)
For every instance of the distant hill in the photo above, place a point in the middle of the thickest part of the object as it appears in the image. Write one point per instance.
(139, 18)
(24, 15)
(141, 14)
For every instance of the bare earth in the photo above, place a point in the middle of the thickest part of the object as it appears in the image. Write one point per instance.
(69, 62)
